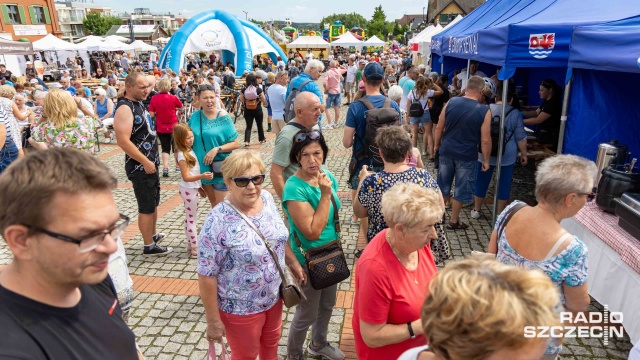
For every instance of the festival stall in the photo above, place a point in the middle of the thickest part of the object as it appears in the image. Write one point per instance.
(237, 40)
(308, 42)
(10, 50)
(346, 40)
(374, 44)
(140, 45)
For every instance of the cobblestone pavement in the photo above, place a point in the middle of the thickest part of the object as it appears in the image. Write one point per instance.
(168, 317)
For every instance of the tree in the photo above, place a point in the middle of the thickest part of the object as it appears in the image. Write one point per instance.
(348, 20)
(378, 25)
(98, 24)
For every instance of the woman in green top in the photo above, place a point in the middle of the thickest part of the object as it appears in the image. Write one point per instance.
(306, 199)
(214, 137)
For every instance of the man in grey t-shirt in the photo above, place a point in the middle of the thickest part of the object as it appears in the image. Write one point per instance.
(308, 109)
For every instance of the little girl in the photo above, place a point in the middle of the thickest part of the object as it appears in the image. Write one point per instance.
(190, 183)
(414, 159)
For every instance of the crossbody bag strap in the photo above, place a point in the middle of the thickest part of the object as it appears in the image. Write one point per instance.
(204, 147)
(336, 220)
(508, 217)
(266, 243)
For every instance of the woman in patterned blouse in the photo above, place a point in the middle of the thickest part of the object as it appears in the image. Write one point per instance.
(237, 277)
(63, 127)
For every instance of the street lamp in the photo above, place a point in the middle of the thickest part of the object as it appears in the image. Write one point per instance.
(246, 17)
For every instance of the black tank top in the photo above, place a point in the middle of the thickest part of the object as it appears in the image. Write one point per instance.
(143, 135)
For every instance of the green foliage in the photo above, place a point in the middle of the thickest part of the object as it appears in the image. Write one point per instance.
(348, 20)
(97, 24)
(379, 26)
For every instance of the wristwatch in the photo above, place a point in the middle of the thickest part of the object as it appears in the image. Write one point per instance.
(219, 149)
(412, 335)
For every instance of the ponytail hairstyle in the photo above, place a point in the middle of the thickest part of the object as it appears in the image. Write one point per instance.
(180, 134)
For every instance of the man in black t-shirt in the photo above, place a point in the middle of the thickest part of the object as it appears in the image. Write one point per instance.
(136, 135)
(60, 221)
(4, 73)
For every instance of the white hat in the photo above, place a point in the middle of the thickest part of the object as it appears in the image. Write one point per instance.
(33, 81)
(57, 85)
(29, 63)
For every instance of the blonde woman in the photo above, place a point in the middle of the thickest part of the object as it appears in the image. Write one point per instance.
(63, 127)
(393, 273)
(424, 89)
(477, 309)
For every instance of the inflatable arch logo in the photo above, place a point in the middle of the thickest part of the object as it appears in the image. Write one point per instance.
(237, 40)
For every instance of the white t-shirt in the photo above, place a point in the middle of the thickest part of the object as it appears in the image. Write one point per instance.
(414, 353)
(309, 56)
(153, 57)
(195, 170)
(463, 77)
(351, 73)
(423, 100)
(86, 104)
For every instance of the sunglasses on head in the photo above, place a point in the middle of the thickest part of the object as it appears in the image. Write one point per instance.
(313, 135)
(242, 181)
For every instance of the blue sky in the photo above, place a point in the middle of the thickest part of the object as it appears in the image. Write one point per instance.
(296, 10)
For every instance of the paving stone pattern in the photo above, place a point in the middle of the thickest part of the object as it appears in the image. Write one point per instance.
(168, 317)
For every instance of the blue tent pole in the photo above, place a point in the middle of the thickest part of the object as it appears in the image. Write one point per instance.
(505, 91)
(563, 118)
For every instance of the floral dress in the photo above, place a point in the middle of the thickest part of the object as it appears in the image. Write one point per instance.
(568, 267)
(76, 134)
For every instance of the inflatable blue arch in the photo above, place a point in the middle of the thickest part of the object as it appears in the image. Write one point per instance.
(218, 30)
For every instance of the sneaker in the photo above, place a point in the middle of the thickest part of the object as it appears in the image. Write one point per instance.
(296, 357)
(112, 136)
(424, 152)
(475, 214)
(327, 352)
(327, 127)
(158, 237)
(107, 141)
(165, 172)
(157, 250)
(457, 225)
(335, 126)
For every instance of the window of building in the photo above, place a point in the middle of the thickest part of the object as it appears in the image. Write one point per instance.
(13, 14)
(37, 15)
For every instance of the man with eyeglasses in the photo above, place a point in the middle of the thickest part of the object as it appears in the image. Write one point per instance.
(60, 222)
(308, 109)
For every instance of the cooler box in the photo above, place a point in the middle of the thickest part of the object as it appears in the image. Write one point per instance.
(628, 211)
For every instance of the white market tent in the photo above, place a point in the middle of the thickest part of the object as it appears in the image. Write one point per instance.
(110, 44)
(117, 37)
(424, 38)
(347, 39)
(90, 38)
(140, 45)
(374, 41)
(52, 43)
(308, 42)
(91, 42)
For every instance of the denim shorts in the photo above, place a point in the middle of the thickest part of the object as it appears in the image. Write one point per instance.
(424, 119)
(464, 173)
(220, 187)
(483, 178)
(333, 100)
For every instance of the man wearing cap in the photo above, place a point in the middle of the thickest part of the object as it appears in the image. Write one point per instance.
(112, 93)
(356, 125)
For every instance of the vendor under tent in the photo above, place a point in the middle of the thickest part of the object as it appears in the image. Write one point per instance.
(140, 45)
(374, 41)
(346, 40)
(308, 42)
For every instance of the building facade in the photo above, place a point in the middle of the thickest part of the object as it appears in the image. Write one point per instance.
(444, 11)
(143, 16)
(29, 19)
(71, 15)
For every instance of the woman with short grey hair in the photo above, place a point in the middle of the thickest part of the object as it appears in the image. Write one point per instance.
(564, 184)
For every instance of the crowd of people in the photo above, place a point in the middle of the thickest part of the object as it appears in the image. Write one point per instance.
(404, 306)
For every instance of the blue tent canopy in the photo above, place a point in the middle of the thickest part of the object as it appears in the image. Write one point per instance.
(526, 33)
(613, 46)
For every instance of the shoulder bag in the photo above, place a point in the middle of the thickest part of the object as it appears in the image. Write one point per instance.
(500, 229)
(215, 166)
(326, 264)
(290, 291)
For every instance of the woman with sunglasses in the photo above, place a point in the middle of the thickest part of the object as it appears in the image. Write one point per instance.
(215, 137)
(307, 201)
(564, 184)
(238, 278)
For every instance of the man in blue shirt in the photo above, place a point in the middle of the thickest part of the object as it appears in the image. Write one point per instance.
(356, 125)
(77, 84)
(66, 86)
(312, 72)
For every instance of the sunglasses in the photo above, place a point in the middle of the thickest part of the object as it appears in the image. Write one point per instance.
(591, 195)
(313, 135)
(242, 181)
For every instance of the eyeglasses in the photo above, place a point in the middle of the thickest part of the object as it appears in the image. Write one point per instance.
(243, 181)
(206, 87)
(91, 241)
(591, 195)
(313, 135)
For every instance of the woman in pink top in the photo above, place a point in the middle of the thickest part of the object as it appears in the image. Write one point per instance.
(332, 80)
(163, 107)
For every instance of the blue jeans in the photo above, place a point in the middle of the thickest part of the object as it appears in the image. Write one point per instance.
(464, 173)
(333, 100)
(424, 119)
(484, 178)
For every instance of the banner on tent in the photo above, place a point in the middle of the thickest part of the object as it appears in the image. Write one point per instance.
(464, 45)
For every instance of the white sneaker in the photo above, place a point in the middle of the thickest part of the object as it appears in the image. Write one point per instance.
(335, 126)
(107, 141)
(327, 127)
(424, 152)
(475, 214)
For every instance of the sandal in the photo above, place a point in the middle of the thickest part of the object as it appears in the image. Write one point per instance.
(457, 225)
(246, 144)
(263, 141)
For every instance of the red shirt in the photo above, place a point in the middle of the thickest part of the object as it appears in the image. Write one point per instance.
(165, 105)
(387, 293)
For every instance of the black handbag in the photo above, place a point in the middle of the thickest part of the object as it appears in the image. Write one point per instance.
(326, 264)
(290, 291)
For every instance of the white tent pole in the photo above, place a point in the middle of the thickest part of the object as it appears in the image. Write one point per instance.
(442, 66)
(468, 70)
(505, 91)
(563, 118)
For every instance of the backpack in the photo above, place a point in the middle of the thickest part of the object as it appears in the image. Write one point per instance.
(229, 81)
(289, 104)
(495, 133)
(251, 98)
(376, 118)
(416, 110)
(293, 72)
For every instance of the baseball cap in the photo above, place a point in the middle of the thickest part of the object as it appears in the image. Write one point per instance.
(373, 71)
(33, 81)
(104, 81)
(361, 86)
(56, 85)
